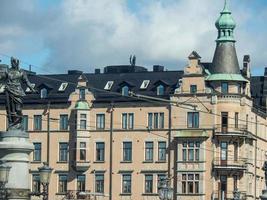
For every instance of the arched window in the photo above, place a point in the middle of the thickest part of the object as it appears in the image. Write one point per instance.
(125, 90)
(43, 93)
(160, 90)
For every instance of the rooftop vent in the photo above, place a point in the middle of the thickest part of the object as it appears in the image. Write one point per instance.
(97, 71)
(158, 68)
(73, 72)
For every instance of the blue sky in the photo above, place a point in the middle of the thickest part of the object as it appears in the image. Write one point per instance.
(54, 35)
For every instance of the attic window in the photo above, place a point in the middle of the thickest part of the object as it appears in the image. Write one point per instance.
(125, 91)
(43, 93)
(28, 89)
(2, 88)
(63, 87)
(144, 84)
(108, 85)
(160, 90)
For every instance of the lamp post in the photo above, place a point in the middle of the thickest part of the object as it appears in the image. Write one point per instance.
(4, 174)
(45, 174)
(165, 191)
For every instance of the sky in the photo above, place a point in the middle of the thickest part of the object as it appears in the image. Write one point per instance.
(58, 35)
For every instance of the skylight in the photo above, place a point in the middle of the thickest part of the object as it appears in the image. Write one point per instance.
(145, 84)
(63, 87)
(28, 89)
(108, 85)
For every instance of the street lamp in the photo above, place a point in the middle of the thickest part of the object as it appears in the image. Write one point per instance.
(165, 191)
(4, 174)
(45, 174)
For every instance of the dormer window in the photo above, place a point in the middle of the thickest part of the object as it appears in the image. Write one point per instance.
(160, 90)
(62, 87)
(28, 89)
(224, 88)
(108, 85)
(125, 90)
(193, 89)
(145, 84)
(82, 94)
(43, 93)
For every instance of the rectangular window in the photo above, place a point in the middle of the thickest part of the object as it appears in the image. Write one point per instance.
(82, 150)
(190, 183)
(149, 151)
(235, 151)
(193, 89)
(62, 183)
(37, 152)
(224, 88)
(191, 151)
(131, 121)
(162, 151)
(100, 151)
(236, 120)
(100, 121)
(127, 120)
(83, 120)
(224, 147)
(193, 120)
(82, 94)
(156, 120)
(25, 122)
(149, 183)
(126, 183)
(99, 183)
(63, 152)
(36, 184)
(37, 122)
(81, 183)
(63, 122)
(124, 120)
(161, 177)
(127, 151)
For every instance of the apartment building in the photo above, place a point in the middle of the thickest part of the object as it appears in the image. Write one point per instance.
(116, 134)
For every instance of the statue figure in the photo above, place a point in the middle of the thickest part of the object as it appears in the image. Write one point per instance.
(12, 78)
(132, 60)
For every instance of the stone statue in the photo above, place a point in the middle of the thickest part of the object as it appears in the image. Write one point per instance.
(132, 60)
(12, 78)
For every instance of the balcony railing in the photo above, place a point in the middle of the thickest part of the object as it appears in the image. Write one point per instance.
(229, 195)
(84, 195)
(81, 165)
(239, 164)
(239, 130)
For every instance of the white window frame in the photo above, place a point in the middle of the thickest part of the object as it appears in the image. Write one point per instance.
(63, 87)
(109, 85)
(144, 84)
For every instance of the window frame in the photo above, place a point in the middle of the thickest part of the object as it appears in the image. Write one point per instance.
(127, 152)
(37, 152)
(100, 152)
(149, 151)
(62, 184)
(193, 119)
(37, 122)
(63, 122)
(100, 121)
(63, 152)
(100, 182)
(126, 183)
(164, 153)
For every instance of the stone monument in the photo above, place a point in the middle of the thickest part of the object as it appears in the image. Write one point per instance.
(15, 146)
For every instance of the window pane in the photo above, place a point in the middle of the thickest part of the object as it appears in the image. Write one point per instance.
(82, 94)
(100, 121)
(99, 183)
(162, 151)
(100, 151)
(156, 118)
(25, 122)
(149, 151)
(224, 88)
(161, 120)
(63, 122)
(131, 121)
(127, 151)
(126, 183)
(63, 152)
(37, 122)
(148, 183)
(81, 182)
(150, 118)
(63, 179)
(82, 151)
(37, 152)
(190, 120)
(193, 89)
(124, 121)
(36, 183)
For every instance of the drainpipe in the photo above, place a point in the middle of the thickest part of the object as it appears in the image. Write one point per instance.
(48, 133)
(110, 151)
(169, 140)
(256, 154)
(175, 171)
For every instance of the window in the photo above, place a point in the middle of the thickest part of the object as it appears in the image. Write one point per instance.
(192, 119)
(63, 122)
(24, 122)
(160, 90)
(224, 147)
(62, 183)
(148, 183)
(82, 94)
(37, 122)
(83, 120)
(235, 151)
(149, 151)
(191, 151)
(239, 88)
(37, 152)
(156, 120)
(63, 152)
(100, 151)
(62, 87)
(100, 121)
(162, 151)
(144, 84)
(99, 183)
(127, 120)
(236, 120)
(125, 91)
(127, 151)
(126, 183)
(108, 85)
(36, 184)
(82, 150)
(190, 183)
(224, 88)
(193, 89)
(81, 183)
(161, 177)
(43, 93)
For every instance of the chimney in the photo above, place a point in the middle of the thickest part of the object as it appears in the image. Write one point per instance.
(97, 71)
(158, 68)
(246, 66)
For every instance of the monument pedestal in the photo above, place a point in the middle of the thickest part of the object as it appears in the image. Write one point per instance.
(15, 148)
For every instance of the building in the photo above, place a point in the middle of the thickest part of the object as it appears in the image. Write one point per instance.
(117, 133)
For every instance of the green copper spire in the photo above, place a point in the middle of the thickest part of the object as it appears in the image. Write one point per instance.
(225, 25)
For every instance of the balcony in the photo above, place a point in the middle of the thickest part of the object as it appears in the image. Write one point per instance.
(219, 195)
(81, 166)
(229, 165)
(87, 195)
(241, 131)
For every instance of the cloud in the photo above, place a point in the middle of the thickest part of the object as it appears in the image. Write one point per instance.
(88, 34)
